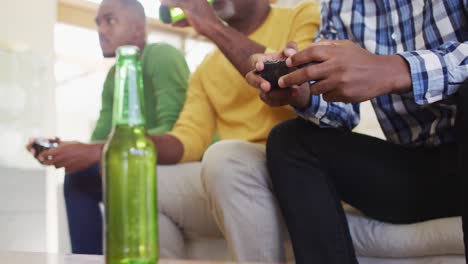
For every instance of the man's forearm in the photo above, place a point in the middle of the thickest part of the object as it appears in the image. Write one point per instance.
(169, 148)
(96, 150)
(236, 46)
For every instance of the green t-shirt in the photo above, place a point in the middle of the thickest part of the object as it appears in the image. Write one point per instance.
(165, 78)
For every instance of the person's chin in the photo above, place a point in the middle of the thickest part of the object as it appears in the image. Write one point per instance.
(110, 54)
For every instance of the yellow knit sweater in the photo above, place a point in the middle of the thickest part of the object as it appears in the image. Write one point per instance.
(219, 98)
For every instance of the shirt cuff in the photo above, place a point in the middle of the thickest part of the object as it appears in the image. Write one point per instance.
(193, 150)
(427, 76)
(314, 112)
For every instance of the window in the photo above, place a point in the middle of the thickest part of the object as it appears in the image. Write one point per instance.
(151, 7)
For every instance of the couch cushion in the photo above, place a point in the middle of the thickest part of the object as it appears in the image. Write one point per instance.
(431, 238)
(422, 260)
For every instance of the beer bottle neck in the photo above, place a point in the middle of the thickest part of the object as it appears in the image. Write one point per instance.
(128, 95)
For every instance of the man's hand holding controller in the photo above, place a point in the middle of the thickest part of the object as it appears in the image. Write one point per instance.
(38, 145)
(341, 72)
(71, 155)
(268, 69)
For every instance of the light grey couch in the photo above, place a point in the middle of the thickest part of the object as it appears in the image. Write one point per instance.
(433, 242)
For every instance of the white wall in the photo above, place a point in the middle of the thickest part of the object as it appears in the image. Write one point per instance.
(26, 39)
(28, 108)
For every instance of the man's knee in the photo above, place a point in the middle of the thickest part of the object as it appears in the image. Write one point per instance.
(291, 142)
(233, 165)
(178, 188)
(285, 136)
(171, 240)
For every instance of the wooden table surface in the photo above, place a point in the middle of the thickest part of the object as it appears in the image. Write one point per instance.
(44, 258)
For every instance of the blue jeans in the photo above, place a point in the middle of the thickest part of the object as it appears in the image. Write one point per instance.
(83, 193)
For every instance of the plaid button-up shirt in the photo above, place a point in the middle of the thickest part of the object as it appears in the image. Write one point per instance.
(432, 36)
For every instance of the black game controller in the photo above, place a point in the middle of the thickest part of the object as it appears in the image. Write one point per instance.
(273, 70)
(41, 145)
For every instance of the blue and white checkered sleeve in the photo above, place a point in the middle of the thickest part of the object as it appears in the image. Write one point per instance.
(321, 112)
(437, 74)
(327, 28)
(325, 114)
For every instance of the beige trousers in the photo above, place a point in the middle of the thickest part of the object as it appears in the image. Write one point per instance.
(227, 195)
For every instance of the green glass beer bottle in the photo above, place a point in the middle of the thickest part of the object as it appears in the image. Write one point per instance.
(171, 15)
(129, 171)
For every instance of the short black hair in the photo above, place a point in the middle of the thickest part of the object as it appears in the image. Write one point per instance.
(135, 5)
